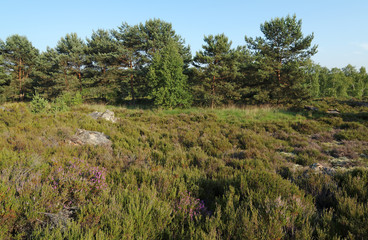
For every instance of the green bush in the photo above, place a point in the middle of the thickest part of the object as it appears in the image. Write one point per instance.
(59, 105)
(39, 104)
(72, 99)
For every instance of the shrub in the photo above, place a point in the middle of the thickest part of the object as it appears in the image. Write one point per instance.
(39, 104)
(59, 105)
(162, 164)
(72, 99)
(360, 134)
(77, 181)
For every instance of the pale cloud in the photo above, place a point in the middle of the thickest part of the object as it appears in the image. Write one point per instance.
(364, 46)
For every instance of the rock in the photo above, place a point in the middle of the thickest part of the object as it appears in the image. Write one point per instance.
(311, 108)
(62, 218)
(2, 108)
(95, 115)
(317, 166)
(83, 137)
(107, 115)
(288, 155)
(333, 111)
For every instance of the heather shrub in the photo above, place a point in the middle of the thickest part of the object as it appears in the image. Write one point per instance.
(360, 134)
(332, 121)
(182, 174)
(213, 142)
(137, 213)
(265, 208)
(307, 127)
(321, 187)
(77, 181)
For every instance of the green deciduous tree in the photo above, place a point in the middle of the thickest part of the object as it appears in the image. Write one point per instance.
(141, 42)
(281, 55)
(19, 59)
(217, 69)
(168, 84)
(356, 81)
(362, 83)
(312, 79)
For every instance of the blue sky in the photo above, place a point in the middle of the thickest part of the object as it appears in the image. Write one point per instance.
(340, 27)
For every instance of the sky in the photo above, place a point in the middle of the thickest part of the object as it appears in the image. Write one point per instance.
(340, 27)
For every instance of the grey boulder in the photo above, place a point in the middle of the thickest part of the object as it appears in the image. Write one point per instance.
(107, 115)
(83, 137)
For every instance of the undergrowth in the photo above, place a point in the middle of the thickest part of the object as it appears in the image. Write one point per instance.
(180, 174)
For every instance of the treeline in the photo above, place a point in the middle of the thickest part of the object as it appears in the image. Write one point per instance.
(149, 62)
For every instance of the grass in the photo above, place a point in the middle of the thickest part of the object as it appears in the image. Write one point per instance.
(239, 115)
(184, 173)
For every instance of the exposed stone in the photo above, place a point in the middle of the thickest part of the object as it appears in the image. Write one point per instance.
(2, 108)
(96, 115)
(62, 218)
(83, 137)
(333, 111)
(288, 155)
(296, 167)
(107, 115)
(317, 166)
(311, 108)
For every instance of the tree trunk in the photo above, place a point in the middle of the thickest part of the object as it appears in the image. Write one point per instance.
(66, 80)
(213, 91)
(20, 79)
(278, 72)
(80, 81)
(132, 82)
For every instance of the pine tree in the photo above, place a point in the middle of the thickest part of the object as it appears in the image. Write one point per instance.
(168, 86)
(141, 42)
(48, 78)
(72, 58)
(5, 79)
(217, 69)
(130, 58)
(280, 57)
(103, 52)
(19, 59)
(155, 34)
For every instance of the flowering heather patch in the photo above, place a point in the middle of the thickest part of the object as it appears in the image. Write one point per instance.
(189, 206)
(77, 180)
